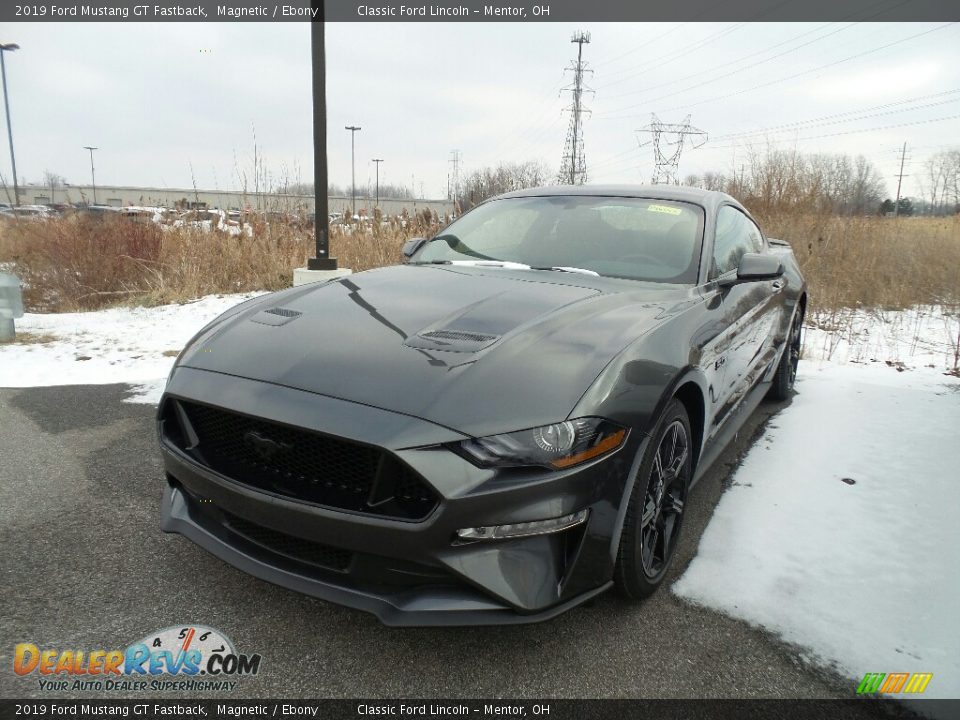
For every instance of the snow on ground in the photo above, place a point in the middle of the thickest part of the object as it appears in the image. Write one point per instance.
(839, 533)
(119, 345)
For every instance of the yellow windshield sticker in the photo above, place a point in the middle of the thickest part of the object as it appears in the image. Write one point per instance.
(664, 209)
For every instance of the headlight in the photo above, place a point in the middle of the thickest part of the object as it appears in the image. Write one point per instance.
(558, 446)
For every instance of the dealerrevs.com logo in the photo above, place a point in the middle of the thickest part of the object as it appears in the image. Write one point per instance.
(187, 657)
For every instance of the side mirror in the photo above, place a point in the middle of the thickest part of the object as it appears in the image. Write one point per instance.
(754, 267)
(411, 246)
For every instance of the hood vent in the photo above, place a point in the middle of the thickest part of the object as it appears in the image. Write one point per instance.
(458, 336)
(275, 316)
(452, 340)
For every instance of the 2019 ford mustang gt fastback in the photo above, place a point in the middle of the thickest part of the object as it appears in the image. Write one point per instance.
(497, 430)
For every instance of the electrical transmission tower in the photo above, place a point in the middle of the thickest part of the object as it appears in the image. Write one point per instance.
(573, 166)
(668, 140)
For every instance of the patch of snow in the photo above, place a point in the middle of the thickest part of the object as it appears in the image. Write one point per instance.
(918, 337)
(118, 345)
(839, 532)
(147, 393)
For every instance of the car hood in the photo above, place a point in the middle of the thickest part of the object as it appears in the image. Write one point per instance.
(477, 350)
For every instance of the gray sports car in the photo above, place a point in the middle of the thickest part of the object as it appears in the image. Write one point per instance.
(497, 430)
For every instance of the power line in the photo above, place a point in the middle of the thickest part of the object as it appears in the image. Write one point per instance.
(624, 166)
(844, 117)
(513, 138)
(670, 57)
(807, 72)
(753, 54)
(675, 81)
(857, 132)
(725, 75)
(641, 47)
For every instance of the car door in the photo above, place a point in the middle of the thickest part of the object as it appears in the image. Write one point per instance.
(748, 311)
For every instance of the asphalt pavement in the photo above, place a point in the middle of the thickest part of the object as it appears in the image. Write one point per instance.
(85, 566)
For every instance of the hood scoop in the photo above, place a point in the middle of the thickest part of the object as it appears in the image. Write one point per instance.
(451, 340)
(275, 316)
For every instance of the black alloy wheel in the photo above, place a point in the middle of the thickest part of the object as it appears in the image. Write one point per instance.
(786, 375)
(655, 513)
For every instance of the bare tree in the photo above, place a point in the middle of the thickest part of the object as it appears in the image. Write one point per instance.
(54, 182)
(941, 182)
(481, 184)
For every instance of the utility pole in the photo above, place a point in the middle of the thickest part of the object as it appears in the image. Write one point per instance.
(903, 155)
(573, 166)
(378, 161)
(455, 159)
(93, 177)
(321, 211)
(666, 164)
(5, 48)
(353, 172)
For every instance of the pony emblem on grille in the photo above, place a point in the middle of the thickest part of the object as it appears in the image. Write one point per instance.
(263, 446)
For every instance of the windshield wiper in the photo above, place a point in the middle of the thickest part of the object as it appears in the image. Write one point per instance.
(568, 269)
(508, 264)
(431, 262)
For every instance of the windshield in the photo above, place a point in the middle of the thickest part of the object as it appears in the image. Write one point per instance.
(636, 238)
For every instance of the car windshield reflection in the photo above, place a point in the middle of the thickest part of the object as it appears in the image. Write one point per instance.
(636, 238)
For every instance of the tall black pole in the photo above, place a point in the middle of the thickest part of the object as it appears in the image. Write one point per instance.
(378, 161)
(322, 261)
(8, 47)
(93, 177)
(903, 155)
(353, 175)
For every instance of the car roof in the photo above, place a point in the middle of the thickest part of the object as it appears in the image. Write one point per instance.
(707, 198)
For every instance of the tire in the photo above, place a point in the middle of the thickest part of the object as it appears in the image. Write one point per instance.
(786, 375)
(654, 518)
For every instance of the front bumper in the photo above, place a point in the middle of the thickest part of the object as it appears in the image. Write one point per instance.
(404, 572)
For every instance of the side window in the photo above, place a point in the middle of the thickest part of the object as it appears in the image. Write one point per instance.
(756, 238)
(736, 235)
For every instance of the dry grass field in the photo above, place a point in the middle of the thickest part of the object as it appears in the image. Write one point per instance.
(874, 262)
(79, 263)
(83, 264)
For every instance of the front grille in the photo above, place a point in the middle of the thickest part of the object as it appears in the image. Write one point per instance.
(297, 463)
(289, 546)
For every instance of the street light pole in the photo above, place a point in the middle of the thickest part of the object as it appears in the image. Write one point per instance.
(5, 48)
(353, 172)
(93, 177)
(321, 211)
(378, 161)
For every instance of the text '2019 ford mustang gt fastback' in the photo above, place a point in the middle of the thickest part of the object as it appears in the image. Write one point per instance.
(497, 430)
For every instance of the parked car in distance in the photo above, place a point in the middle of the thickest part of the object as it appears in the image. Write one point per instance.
(27, 212)
(145, 214)
(98, 212)
(498, 430)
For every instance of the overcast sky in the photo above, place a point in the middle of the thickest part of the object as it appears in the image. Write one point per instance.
(170, 102)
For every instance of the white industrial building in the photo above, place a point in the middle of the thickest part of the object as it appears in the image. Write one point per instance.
(121, 196)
